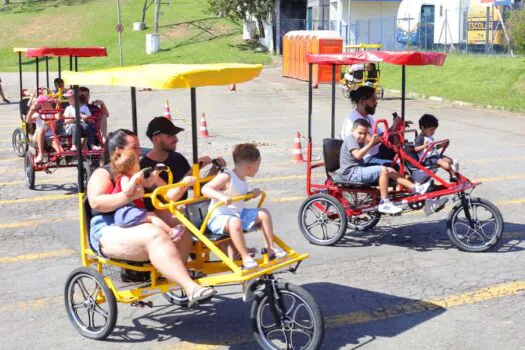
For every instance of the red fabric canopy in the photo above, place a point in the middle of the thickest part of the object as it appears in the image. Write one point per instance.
(67, 51)
(402, 58)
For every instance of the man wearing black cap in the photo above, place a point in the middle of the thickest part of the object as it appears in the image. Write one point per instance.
(163, 135)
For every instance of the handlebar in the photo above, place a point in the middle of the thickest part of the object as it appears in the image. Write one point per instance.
(385, 123)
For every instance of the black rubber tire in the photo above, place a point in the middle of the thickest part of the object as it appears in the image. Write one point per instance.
(19, 142)
(492, 241)
(92, 332)
(29, 171)
(87, 171)
(322, 197)
(261, 301)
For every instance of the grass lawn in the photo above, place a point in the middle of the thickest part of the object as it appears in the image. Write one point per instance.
(496, 81)
(188, 33)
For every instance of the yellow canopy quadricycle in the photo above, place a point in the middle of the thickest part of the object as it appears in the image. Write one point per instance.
(274, 302)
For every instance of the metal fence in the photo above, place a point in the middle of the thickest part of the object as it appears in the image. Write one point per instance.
(445, 31)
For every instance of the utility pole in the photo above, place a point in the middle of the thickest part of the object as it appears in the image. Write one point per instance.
(119, 30)
(157, 11)
(277, 27)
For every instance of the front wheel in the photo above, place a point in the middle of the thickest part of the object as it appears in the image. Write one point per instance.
(475, 225)
(90, 304)
(29, 171)
(286, 317)
(322, 219)
(19, 142)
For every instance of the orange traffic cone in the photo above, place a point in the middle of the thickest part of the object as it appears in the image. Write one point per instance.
(167, 112)
(204, 127)
(297, 152)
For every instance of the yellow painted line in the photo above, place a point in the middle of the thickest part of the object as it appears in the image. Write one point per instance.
(38, 199)
(2, 160)
(497, 291)
(6, 149)
(34, 222)
(36, 256)
(49, 181)
(511, 202)
(6, 132)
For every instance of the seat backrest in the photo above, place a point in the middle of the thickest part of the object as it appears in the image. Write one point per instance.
(331, 152)
(196, 212)
(23, 104)
(372, 74)
(358, 75)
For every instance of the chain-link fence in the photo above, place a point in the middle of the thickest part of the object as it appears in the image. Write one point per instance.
(445, 30)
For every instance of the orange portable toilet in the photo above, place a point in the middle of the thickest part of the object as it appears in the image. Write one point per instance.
(287, 53)
(327, 42)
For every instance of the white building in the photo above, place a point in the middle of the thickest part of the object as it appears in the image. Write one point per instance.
(359, 21)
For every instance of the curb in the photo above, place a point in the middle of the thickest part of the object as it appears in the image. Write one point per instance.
(453, 102)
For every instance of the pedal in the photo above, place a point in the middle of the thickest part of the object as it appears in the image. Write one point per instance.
(142, 304)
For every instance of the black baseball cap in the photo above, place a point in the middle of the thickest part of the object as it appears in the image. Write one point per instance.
(162, 125)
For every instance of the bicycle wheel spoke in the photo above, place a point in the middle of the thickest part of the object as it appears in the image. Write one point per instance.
(83, 289)
(101, 312)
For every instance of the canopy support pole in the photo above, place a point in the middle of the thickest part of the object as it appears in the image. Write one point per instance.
(59, 67)
(333, 100)
(76, 63)
(37, 77)
(20, 76)
(194, 140)
(310, 98)
(403, 91)
(47, 72)
(134, 109)
(71, 63)
(78, 143)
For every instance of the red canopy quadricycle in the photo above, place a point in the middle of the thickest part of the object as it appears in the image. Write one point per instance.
(332, 207)
(61, 155)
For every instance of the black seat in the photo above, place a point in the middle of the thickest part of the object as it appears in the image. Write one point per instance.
(357, 74)
(331, 153)
(196, 212)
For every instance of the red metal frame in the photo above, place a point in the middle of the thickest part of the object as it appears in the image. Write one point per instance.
(54, 156)
(67, 51)
(399, 195)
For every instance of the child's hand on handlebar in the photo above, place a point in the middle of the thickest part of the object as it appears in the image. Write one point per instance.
(189, 180)
(256, 192)
(375, 139)
(225, 199)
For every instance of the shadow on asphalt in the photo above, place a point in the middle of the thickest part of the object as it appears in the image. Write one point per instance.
(351, 316)
(69, 188)
(426, 237)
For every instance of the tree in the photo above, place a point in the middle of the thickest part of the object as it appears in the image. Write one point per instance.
(240, 10)
(516, 25)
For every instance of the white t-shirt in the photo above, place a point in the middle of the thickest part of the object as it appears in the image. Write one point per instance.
(347, 129)
(69, 112)
(40, 124)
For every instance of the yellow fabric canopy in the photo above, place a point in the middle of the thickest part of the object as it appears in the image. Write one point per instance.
(167, 76)
(20, 49)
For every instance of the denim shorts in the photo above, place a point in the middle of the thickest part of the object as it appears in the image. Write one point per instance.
(99, 222)
(248, 216)
(432, 160)
(365, 174)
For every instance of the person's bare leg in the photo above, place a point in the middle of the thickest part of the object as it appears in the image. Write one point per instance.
(2, 94)
(143, 242)
(394, 175)
(40, 139)
(446, 164)
(234, 228)
(155, 220)
(264, 218)
(383, 183)
(185, 243)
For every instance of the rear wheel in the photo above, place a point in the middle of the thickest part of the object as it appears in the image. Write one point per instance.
(367, 220)
(19, 142)
(293, 321)
(29, 171)
(475, 225)
(90, 304)
(322, 219)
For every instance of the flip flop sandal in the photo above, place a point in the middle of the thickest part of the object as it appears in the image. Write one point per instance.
(200, 293)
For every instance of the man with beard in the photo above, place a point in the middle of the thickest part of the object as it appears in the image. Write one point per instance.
(163, 134)
(365, 101)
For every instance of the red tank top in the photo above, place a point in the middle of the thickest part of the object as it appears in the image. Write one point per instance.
(139, 203)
